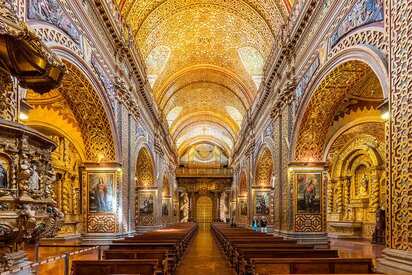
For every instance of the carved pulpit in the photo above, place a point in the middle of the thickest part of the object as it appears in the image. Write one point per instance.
(28, 211)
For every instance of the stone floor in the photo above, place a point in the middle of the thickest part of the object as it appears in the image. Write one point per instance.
(356, 249)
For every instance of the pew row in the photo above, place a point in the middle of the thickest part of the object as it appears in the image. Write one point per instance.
(156, 252)
(255, 253)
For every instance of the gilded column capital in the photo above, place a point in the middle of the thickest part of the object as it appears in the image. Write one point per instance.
(124, 95)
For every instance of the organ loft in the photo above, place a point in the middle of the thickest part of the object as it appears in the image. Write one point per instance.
(205, 137)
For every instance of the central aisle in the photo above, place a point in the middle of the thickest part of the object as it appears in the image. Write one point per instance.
(203, 256)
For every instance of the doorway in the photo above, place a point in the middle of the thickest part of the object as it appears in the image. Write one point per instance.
(204, 209)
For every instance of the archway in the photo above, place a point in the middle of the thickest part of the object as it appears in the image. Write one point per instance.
(262, 190)
(204, 210)
(75, 118)
(264, 169)
(77, 104)
(341, 124)
(144, 169)
(243, 199)
(166, 187)
(166, 201)
(243, 190)
(146, 195)
(350, 87)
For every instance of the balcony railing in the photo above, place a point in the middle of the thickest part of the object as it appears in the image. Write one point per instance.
(204, 172)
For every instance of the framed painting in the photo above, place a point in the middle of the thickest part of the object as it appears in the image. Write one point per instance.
(100, 186)
(243, 207)
(166, 208)
(175, 209)
(262, 203)
(4, 172)
(146, 203)
(308, 192)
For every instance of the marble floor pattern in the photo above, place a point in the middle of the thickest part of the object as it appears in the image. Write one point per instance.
(203, 256)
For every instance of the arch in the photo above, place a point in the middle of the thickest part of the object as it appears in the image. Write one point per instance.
(42, 117)
(204, 117)
(78, 94)
(198, 72)
(165, 187)
(145, 173)
(203, 139)
(264, 168)
(335, 83)
(70, 53)
(243, 188)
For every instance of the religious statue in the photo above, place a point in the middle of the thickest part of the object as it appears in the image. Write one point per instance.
(365, 183)
(101, 195)
(3, 177)
(34, 181)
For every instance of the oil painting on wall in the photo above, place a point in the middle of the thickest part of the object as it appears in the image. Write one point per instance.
(308, 192)
(262, 203)
(4, 172)
(243, 207)
(100, 192)
(166, 207)
(146, 205)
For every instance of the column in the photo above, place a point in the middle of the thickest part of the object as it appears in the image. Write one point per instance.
(348, 209)
(330, 184)
(397, 257)
(215, 205)
(339, 197)
(191, 206)
(375, 191)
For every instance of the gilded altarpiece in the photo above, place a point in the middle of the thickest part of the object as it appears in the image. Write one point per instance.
(101, 198)
(66, 161)
(355, 190)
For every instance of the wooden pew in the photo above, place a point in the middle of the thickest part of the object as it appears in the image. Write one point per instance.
(168, 263)
(108, 267)
(231, 246)
(243, 256)
(268, 266)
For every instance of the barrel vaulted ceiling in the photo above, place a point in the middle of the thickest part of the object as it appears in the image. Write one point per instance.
(204, 61)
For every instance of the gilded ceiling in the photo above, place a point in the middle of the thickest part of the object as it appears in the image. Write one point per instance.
(204, 59)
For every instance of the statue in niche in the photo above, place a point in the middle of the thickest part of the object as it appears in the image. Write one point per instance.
(34, 181)
(3, 177)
